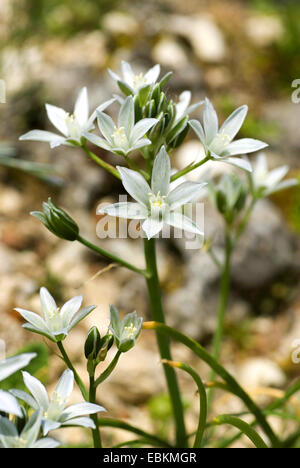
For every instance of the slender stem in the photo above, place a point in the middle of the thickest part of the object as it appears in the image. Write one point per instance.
(163, 341)
(202, 398)
(244, 221)
(108, 167)
(111, 256)
(110, 422)
(221, 371)
(78, 380)
(134, 166)
(243, 426)
(188, 169)
(94, 417)
(108, 370)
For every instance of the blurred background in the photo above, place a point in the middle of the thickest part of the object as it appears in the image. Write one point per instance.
(234, 52)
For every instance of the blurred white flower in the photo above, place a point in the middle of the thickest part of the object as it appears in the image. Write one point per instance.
(218, 143)
(55, 412)
(2, 91)
(8, 403)
(133, 81)
(10, 438)
(124, 137)
(156, 205)
(266, 182)
(72, 126)
(56, 322)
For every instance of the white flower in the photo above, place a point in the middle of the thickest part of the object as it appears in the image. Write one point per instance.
(156, 205)
(218, 142)
(266, 182)
(133, 81)
(56, 322)
(55, 412)
(10, 437)
(124, 137)
(9, 366)
(72, 126)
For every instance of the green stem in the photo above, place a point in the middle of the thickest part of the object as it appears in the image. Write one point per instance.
(243, 224)
(202, 397)
(223, 301)
(221, 371)
(135, 167)
(108, 167)
(108, 370)
(188, 169)
(154, 291)
(110, 422)
(94, 417)
(243, 426)
(111, 256)
(78, 380)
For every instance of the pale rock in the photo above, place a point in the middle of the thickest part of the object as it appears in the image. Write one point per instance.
(169, 53)
(11, 201)
(118, 22)
(66, 257)
(264, 30)
(204, 35)
(260, 372)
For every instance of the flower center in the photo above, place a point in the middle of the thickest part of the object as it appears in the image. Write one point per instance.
(74, 129)
(56, 406)
(130, 330)
(138, 81)
(19, 442)
(119, 136)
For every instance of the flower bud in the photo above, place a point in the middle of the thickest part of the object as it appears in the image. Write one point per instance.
(92, 343)
(57, 221)
(106, 343)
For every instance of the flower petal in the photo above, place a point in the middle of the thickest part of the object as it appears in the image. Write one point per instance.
(141, 128)
(210, 121)
(135, 184)
(183, 103)
(49, 425)
(9, 404)
(126, 210)
(283, 185)
(152, 226)
(106, 125)
(233, 123)
(275, 176)
(46, 442)
(65, 385)
(57, 117)
(34, 319)
(100, 108)
(161, 173)
(96, 140)
(127, 72)
(33, 329)
(37, 390)
(113, 75)
(83, 422)
(198, 129)
(24, 396)
(238, 162)
(69, 309)
(152, 74)
(80, 409)
(184, 193)
(7, 428)
(81, 315)
(81, 108)
(126, 116)
(243, 146)
(42, 135)
(48, 304)
(178, 220)
(13, 364)
(32, 428)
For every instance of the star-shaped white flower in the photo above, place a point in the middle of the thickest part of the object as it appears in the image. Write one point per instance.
(72, 126)
(55, 323)
(28, 437)
(124, 137)
(266, 182)
(8, 403)
(55, 412)
(159, 203)
(218, 143)
(136, 82)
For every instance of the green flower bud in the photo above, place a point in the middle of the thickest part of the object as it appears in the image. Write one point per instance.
(127, 331)
(106, 343)
(92, 344)
(57, 221)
